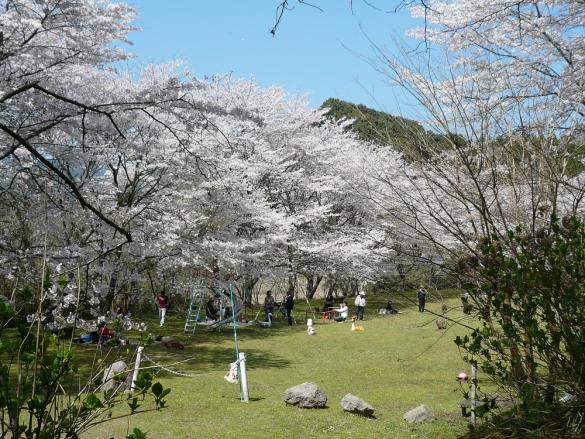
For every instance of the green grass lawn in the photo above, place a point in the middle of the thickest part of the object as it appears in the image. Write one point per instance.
(399, 362)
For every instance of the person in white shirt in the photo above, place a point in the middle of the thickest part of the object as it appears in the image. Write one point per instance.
(360, 305)
(343, 311)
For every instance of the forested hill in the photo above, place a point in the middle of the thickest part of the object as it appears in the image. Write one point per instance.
(410, 137)
(383, 128)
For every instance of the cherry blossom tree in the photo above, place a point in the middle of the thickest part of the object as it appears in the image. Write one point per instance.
(507, 99)
(280, 193)
(515, 53)
(121, 178)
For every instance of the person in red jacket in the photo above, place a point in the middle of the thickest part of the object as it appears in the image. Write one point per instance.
(162, 301)
(105, 333)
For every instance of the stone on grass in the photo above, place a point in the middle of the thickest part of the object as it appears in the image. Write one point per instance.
(108, 381)
(422, 413)
(353, 404)
(306, 395)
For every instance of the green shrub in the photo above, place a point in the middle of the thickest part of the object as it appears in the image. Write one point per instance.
(36, 368)
(530, 290)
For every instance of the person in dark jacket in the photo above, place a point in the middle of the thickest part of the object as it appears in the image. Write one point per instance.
(289, 304)
(390, 309)
(268, 305)
(422, 298)
(210, 311)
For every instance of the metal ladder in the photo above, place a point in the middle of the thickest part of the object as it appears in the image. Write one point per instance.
(194, 309)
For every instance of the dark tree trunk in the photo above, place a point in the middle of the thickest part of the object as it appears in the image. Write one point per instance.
(292, 275)
(107, 303)
(354, 287)
(113, 285)
(248, 287)
(312, 284)
(402, 272)
(151, 283)
(292, 283)
(332, 288)
(350, 287)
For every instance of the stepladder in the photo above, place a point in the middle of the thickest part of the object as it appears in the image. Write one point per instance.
(196, 297)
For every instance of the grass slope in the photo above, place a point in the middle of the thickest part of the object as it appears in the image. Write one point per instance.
(399, 362)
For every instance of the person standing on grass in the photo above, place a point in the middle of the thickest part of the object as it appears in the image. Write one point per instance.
(268, 305)
(422, 298)
(360, 305)
(289, 304)
(162, 301)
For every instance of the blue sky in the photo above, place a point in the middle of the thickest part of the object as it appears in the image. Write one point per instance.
(314, 52)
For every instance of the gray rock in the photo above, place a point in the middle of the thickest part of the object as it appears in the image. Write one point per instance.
(306, 395)
(441, 323)
(353, 404)
(108, 381)
(422, 413)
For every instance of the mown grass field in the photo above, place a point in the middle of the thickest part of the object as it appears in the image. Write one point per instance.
(399, 362)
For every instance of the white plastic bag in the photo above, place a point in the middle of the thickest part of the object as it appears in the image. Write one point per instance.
(232, 375)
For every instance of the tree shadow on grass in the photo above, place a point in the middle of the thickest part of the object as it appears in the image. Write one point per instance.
(174, 328)
(193, 360)
(208, 359)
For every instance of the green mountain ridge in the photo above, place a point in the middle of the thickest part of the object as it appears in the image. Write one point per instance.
(405, 135)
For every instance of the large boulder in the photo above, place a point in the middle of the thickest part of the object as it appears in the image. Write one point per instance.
(353, 404)
(422, 413)
(306, 395)
(108, 381)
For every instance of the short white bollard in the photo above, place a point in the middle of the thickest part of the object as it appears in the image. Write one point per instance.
(243, 377)
(136, 367)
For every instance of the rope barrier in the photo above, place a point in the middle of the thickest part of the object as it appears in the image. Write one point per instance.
(166, 369)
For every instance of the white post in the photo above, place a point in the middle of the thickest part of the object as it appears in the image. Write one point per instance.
(243, 377)
(472, 391)
(136, 367)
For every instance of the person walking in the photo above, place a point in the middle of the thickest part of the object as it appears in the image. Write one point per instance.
(422, 298)
(162, 301)
(360, 305)
(289, 304)
(268, 305)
